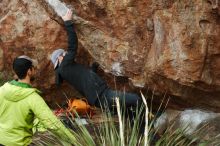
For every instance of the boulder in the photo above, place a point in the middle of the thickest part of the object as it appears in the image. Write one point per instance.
(164, 45)
(27, 27)
(192, 123)
(184, 57)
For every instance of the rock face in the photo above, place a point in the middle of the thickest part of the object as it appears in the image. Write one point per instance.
(202, 124)
(165, 45)
(26, 27)
(184, 58)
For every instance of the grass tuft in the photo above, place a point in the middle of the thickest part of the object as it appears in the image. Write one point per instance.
(126, 132)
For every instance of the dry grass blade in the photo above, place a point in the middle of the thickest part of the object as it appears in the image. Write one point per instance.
(120, 121)
(146, 121)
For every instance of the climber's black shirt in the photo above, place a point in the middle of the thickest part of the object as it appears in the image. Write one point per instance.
(83, 79)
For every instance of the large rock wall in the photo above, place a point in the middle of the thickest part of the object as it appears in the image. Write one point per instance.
(28, 27)
(168, 46)
(184, 57)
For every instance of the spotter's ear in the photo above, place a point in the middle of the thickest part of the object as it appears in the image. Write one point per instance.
(29, 71)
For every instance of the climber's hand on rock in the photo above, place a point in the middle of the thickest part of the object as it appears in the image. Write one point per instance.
(68, 15)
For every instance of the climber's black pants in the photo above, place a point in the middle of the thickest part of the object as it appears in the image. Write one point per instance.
(128, 101)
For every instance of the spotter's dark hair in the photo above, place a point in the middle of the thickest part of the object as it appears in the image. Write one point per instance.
(21, 67)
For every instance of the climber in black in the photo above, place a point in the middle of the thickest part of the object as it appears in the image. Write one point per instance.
(85, 80)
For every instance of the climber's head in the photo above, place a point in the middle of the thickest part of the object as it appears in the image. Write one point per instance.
(57, 57)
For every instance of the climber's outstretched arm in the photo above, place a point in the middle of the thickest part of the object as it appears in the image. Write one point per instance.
(72, 38)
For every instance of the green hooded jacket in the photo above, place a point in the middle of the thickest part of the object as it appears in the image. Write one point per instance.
(20, 104)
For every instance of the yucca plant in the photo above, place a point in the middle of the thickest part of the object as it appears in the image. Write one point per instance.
(123, 132)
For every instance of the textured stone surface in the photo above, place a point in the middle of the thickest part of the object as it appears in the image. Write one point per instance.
(26, 27)
(192, 122)
(1, 60)
(165, 45)
(184, 58)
